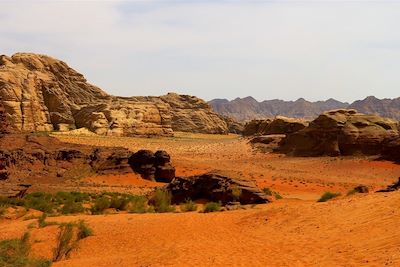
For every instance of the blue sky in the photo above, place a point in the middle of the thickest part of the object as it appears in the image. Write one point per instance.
(217, 49)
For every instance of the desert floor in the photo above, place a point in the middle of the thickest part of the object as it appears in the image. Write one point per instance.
(357, 230)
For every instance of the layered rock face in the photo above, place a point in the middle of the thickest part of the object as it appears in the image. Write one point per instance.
(192, 114)
(341, 132)
(40, 93)
(279, 125)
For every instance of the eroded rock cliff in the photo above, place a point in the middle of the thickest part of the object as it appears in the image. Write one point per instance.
(40, 93)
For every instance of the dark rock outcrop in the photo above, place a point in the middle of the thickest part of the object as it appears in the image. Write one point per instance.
(3, 121)
(341, 132)
(28, 158)
(391, 150)
(393, 187)
(153, 166)
(215, 187)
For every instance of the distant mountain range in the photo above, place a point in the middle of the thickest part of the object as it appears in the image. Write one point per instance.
(248, 108)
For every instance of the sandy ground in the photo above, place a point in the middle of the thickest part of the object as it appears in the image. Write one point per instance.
(304, 178)
(357, 230)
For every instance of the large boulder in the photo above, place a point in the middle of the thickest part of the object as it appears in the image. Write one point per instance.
(215, 187)
(341, 132)
(279, 125)
(153, 166)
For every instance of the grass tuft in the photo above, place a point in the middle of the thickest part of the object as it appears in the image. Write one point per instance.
(189, 205)
(212, 207)
(327, 196)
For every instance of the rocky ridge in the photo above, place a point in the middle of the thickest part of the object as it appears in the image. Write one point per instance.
(248, 108)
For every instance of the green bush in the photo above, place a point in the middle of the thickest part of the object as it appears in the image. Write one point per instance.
(327, 196)
(212, 207)
(162, 201)
(71, 207)
(189, 205)
(65, 243)
(236, 193)
(40, 201)
(83, 230)
(267, 191)
(101, 204)
(138, 205)
(15, 253)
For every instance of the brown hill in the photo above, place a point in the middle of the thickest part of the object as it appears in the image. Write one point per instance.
(40, 93)
(389, 108)
(248, 108)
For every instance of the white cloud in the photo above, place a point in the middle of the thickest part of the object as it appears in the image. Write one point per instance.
(281, 49)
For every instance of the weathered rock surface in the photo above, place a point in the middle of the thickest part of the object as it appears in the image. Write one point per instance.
(234, 127)
(215, 187)
(192, 114)
(153, 166)
(279, 125)
(13, 190)
(341, 132)
(40, 93)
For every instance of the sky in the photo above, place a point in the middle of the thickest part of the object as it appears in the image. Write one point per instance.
(317, 50)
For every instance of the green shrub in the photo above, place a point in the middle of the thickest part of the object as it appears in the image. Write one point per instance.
(162, 201)
(83, 230)
(351, 192)
(15, 253)
(40, 201)
(120, 202)
(138, 205)
(71, 207)
(212, 206)
(65, 242)
(267, 191)
(327, 196)
(189, 205)
(101, 204)
(236, 193)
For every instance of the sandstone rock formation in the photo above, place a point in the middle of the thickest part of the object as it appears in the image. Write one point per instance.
(40, 93)
(234, 127)
(153, 166)
(192, 114)
(341, 132)
(279, 125)
(215, 187)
